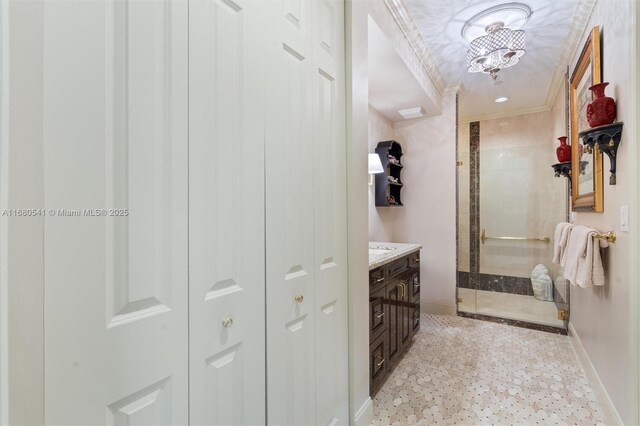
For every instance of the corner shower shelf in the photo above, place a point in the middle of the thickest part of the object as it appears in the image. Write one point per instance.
(384, 188)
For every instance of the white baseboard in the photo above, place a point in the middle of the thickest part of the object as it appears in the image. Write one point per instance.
(364, 415)
(437, 308)
(611, 416)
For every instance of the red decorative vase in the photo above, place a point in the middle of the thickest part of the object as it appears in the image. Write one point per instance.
(563, 151)
(603, 108)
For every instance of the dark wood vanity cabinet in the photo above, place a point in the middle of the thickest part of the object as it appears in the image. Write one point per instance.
(394, 314)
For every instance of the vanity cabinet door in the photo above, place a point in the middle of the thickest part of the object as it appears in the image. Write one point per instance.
(405, 325)
(414, 286)
(394, 310)
(378, 318)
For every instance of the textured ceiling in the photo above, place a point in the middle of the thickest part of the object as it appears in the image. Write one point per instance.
(527, 83)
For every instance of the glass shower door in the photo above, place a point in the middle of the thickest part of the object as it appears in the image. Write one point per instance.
(514, 203)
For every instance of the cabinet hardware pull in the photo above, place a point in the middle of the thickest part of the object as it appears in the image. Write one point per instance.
(416, 285)
(379, 280)
(381, 361)
(299, 298)
(381, 315)
(227, 322)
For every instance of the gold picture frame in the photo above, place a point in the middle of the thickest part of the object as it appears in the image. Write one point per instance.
(586, 178)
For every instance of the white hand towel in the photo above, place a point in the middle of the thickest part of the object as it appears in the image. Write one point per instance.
(559, 245)
(576, 248)
(564, 243)
(590, 271)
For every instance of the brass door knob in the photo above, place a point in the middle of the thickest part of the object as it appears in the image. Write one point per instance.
(299, 298)
(227, 322)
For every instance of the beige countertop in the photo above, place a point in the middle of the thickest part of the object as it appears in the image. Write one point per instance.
(381, 253)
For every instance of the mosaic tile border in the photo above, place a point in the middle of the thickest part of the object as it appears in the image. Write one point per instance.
(516, 323)
(474, 203)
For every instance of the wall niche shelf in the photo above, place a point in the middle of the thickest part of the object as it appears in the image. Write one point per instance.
(605, 138)
(388, 191)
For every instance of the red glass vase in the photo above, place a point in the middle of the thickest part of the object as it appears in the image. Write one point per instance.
(563, 151)
(603, 108)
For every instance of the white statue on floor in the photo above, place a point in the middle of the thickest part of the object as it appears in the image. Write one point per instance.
(542, 283)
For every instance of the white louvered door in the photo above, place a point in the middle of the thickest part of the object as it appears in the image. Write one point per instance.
(226, 212)
(115, 137)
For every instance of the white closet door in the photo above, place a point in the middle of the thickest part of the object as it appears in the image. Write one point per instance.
(331, 304)
(307, 325)
(290, 256)
(226, 212)
(115, 134)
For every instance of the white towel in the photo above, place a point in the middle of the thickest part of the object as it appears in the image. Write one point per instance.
(576, 247)
(564, 243)
(583, 264)
(560, 243)
(590, 271)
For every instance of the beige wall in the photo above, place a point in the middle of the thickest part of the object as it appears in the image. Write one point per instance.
(429, 197)
(600, 315)
(381, 219)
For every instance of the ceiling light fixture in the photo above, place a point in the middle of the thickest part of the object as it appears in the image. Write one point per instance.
(501, 99)
(500, 48)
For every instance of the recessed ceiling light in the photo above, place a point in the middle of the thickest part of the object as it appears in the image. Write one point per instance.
(501, 99)
(410, 113)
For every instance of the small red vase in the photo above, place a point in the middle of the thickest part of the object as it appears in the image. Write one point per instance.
(563, 151)
(603, 108)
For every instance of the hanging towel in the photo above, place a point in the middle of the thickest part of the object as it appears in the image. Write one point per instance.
(576, 248)
(560, 243)
(564, 243)
(590, 271)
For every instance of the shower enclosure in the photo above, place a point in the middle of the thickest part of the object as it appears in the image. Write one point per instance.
(509, 202)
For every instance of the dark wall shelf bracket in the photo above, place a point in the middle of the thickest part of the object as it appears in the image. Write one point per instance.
(605, 138)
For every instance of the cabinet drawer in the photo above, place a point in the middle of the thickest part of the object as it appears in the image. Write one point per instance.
(376, 278)
(377, 363)
(378, 318)
(414, 260)
(399, 266)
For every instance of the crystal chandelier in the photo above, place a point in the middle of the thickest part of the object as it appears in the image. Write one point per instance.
(500, 48)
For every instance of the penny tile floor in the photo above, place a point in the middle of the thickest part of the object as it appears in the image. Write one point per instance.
(467, 372)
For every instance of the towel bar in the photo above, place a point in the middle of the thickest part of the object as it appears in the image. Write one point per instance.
(484, 238)
(610, 236)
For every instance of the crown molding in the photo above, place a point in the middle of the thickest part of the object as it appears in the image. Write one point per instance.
(454, 89)
(510, 113)
(411, 32)
(571, 44)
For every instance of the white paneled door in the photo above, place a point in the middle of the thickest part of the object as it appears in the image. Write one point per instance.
(226, 212)
(307, 371)
(213, 288)
(116, 282)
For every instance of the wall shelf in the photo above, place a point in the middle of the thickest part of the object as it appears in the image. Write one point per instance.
(605, 138)
(388, 193)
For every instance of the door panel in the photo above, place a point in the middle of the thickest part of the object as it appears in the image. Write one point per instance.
(289, 216)
(226, 212)
(330, 214)
(115, 137)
